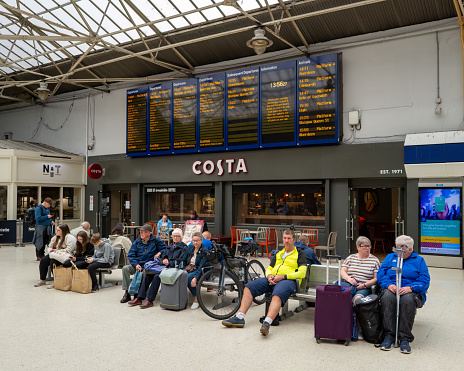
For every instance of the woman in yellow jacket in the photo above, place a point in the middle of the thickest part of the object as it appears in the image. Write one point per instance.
(288, 265)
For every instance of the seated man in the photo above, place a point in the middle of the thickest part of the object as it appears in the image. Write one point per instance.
(290, 263)
(146, 247)
(311, 257)
(415, 281)
(85, 226)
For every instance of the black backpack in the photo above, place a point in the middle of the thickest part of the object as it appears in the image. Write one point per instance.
(369, 318)
(29, 218)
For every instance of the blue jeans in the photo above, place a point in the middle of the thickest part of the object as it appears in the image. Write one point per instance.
(354, 292)
(193, 290)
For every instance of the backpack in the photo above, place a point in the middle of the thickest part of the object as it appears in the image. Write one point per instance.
(29, 218)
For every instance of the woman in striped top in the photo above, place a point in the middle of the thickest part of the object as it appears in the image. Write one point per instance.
(359, 271)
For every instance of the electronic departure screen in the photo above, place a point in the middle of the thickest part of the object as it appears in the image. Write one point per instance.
(317, 99)
(242, 108)
(160, 117)
(211, 111)
(136, 142)
(283, 104)
(184, 114)
(278, 104)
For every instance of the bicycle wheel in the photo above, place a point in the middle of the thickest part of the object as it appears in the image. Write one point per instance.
(254, 270)
(219, 302)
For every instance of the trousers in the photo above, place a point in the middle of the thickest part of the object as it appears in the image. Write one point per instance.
(127, 270)
(149, 287)
(92, 268)
(408, 306)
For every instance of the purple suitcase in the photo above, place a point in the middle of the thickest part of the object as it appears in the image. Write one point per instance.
(333, 316)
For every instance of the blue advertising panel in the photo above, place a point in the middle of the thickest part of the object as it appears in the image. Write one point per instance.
(184, 109)
(440, 221)
(7, 231)
(211, 117)
(136, 136)
(28, 232)
(242, 108)
(160, 118)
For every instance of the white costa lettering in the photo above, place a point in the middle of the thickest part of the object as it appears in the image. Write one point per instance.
(241, 166)
(209, 167)
(194, 167)
(220, 169)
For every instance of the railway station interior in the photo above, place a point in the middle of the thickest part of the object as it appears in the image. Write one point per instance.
(336, 118)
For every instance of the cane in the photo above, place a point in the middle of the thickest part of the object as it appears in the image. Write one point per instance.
(399, 268)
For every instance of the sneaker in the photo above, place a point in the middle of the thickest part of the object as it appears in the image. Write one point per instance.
(234, 322)
(195, 306)
(404, 347)
(40, 283)
(264, 328)
(95, 289)
(51, 286)
(387, 343)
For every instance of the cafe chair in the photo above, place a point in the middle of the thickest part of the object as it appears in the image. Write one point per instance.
(313, 236)
(270, 241)
(233, 237)
(331, 241)
(376, 235)
(261, 235)
(241, 235)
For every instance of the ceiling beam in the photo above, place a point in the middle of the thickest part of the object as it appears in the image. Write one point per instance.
(48, 38)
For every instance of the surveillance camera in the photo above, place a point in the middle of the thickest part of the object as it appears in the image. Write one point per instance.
(90, 146)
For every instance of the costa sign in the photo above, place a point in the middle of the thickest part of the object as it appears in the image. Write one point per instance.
(229, 165)
(94, 171)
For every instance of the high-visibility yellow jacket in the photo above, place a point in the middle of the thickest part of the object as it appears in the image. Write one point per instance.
(294, 265)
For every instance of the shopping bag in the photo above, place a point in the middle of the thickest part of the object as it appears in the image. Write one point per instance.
(135, 284)
(62, 277)
(81, 281)
(154, 266)
(60, 255)
(169, 276)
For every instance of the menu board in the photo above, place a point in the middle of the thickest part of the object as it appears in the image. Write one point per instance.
(184, 114)
(317, 99)
(136, 140)
(160, 103)
(211, 111)
(278, 104)
(242, 108)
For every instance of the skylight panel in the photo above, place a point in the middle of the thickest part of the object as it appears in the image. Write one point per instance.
(228, 10)
(183, 5)
(249, 5)
(179, 22)
(212, 13)
(202, 3)
(122, 38)
(133, 34)
(195, 18)
(164, 26)
(147, 31)
(166, 8)
(6, 70)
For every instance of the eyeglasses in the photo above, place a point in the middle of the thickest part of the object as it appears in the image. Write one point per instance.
(196, 240)
(366, 246)
(175, 236)
(402, 246)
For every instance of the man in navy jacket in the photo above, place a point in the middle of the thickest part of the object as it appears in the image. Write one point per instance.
(146, 247)
(415, 281)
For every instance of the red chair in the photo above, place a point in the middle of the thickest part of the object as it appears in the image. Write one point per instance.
(313, 236)
(152, 227)
(233, 236)
(270, 241)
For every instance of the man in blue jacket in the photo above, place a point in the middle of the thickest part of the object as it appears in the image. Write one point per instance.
(146, 247)
(415, 281)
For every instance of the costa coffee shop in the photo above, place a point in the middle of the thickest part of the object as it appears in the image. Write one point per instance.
(31, 172)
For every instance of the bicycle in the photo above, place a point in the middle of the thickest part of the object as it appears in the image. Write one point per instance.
(220, 290)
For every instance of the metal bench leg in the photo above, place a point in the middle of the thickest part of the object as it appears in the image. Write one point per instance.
(285, 313)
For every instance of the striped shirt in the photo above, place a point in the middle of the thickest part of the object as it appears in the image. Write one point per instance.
(362, 270)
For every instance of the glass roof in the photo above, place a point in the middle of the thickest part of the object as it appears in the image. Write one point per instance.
(36, 32)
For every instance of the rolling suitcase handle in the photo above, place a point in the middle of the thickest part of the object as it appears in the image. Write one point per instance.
(339, 258)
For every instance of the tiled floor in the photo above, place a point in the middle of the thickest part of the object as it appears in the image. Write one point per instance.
(44, 329)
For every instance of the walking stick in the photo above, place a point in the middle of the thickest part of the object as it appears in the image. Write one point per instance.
(399, 268)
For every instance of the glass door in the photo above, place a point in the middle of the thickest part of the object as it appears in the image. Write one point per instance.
(352, 222)
(398, 193)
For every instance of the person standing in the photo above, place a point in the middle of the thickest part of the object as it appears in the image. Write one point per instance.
(194, 216)
(43, 222)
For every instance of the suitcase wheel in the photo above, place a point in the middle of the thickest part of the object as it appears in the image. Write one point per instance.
(347, 342)
(318, 339)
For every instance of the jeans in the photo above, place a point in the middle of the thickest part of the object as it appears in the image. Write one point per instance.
(80, 264)
(46, 262)
(149, 287)
(354, 292)
(92, 268)
(408, 305)
(193, 290)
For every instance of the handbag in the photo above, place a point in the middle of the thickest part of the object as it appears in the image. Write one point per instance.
(81, 281)
(169, 276)
(60, 255)
(189, 268)
(62, 277)
(154, 266)
(135, 284)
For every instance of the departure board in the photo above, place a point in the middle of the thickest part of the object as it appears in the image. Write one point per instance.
(184, 114)
(136, 140)
(160, 102)
(278, 104)
(318, 100)
(211, 111)
(242, 108)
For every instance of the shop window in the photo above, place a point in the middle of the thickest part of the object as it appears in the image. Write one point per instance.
(300, 205)
(3, 202)
(54, 194)
(71, 203)
(26, 197)
(178, 202)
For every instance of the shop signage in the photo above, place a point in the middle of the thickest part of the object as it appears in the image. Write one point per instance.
(51, 170)
(8, 231)
(160, 190)
(95, 171)
(229, 165)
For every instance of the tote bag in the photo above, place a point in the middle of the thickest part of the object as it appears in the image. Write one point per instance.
(81, 281)
(63, 278)
(135, 284)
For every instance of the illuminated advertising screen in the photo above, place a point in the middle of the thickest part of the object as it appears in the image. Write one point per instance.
(440, 221)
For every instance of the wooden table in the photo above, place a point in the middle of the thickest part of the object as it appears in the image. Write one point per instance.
(220, 238)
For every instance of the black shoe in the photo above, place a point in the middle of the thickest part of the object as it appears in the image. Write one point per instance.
(125, 298)
(95, 288)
